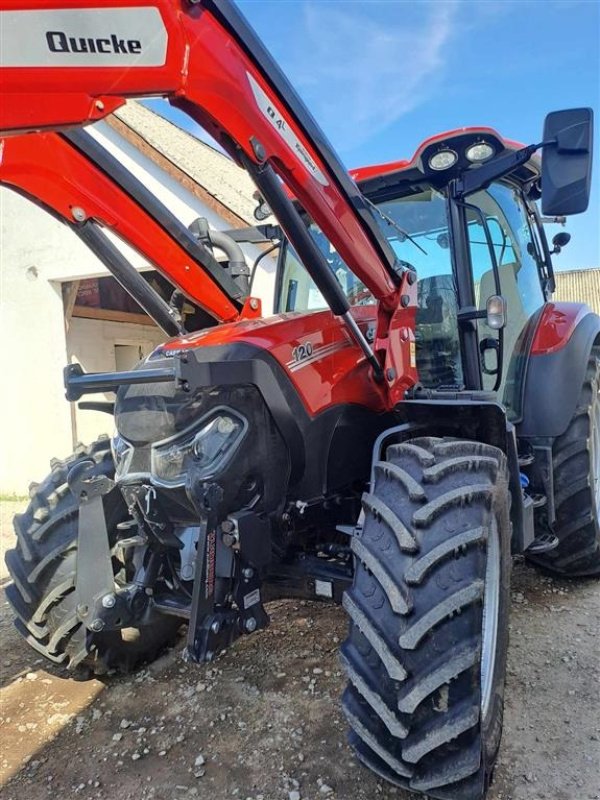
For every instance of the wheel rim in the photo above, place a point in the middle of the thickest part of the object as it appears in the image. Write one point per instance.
(491, 610)
(595, 453)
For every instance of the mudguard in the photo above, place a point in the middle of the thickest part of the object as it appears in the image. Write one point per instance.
(556, 368)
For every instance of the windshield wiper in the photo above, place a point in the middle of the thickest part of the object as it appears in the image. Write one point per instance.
(405, 234)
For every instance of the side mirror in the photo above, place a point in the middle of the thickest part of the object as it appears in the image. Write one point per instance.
(559, 241)
(567, 162)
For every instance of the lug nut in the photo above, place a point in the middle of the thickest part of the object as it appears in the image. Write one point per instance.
(250, 625)
(216, 626)
(97, 625)
(109, 601)
(248, 573)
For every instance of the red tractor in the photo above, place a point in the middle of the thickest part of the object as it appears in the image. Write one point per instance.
(416, 410)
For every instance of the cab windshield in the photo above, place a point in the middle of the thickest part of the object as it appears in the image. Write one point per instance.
(416, 226)
(417, 229)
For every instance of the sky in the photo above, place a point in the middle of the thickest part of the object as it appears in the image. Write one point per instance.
(380, 76)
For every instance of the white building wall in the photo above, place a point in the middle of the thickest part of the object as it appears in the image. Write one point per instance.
(36, 419)
(37, 253)
(92, 343)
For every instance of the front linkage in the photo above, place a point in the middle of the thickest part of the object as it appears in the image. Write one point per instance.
(230, 556)
(214, 626)
(226, 559)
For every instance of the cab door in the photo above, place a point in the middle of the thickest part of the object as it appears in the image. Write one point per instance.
(511, 242)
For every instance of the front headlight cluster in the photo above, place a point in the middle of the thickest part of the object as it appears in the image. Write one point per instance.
(122, 453)
(476, 153)
(205, 447)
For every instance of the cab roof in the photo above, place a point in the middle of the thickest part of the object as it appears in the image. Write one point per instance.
(385, 177)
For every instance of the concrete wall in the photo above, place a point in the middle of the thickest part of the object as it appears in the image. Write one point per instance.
(36, 255)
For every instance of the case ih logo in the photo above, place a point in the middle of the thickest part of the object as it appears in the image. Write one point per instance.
(59, 42)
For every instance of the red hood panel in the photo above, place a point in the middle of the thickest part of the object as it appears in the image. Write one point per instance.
(314, 349)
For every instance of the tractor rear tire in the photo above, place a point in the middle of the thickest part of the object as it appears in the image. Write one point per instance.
(576, 468)
(42, 567)
(426, 652)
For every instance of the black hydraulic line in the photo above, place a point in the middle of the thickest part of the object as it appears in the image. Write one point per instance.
(107, 163)
(257, 261)
(313, 259)
(129, 278)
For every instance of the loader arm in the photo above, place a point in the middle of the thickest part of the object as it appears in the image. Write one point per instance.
(53, 172)
(205, 59)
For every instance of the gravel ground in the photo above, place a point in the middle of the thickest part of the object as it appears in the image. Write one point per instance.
(263, 722)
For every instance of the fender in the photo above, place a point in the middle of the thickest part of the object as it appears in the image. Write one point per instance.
(558, 358)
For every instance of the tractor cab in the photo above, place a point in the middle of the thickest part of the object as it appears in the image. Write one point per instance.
(482, 263)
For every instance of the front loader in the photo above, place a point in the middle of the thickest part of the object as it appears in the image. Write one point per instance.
(415, 410)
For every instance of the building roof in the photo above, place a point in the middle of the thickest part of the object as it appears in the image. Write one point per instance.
(579, 286)
(215, 173)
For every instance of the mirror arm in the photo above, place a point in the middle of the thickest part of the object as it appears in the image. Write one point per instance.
(474, 180)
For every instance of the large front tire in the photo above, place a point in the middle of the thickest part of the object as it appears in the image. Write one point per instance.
(576, 468)
(426, 653)
(42, 567)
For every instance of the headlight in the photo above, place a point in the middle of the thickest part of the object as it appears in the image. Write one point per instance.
(443, 159)
(205, 447)
(122, 453)
(481, 151)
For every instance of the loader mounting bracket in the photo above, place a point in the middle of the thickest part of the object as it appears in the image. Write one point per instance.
(94, 574)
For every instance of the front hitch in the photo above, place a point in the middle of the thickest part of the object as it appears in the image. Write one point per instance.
(214, 626)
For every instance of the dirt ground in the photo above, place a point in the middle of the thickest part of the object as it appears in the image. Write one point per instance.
(264, 723)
